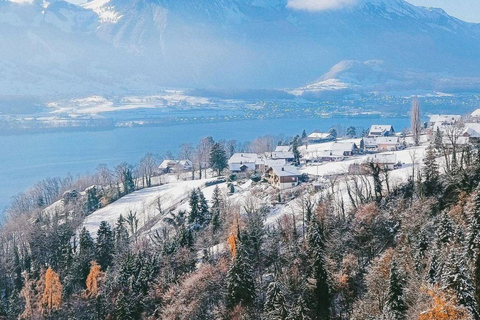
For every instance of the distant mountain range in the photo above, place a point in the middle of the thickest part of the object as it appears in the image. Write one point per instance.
(57, 49)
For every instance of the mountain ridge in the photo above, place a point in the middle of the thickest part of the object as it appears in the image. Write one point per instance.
(221, 44)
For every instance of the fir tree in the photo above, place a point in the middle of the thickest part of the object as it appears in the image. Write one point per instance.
(351, 132)
(321, 284)
(204, 217)
(396, 304)
(218, 158)
(304, 135)
(240, 283)
(445, 230)
(438, 141)
(299, 311)
(457, 278)
(216, 209)
(275, 307)
(105, 245)
(121, 235)
(430, 173)
(296, 152)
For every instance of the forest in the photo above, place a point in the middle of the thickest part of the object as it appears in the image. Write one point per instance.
(412, 252)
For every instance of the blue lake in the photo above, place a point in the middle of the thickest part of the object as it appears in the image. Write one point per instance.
(28, 158)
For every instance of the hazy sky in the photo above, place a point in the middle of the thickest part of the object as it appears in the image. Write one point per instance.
(468, 10)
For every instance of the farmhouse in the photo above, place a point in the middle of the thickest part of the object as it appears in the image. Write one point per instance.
(388, 143)
(318, 137)
(381, 131)
(283, 177)
(168, 165)
(386, 160)
(440, 121)
(282, 155)
(240, 162)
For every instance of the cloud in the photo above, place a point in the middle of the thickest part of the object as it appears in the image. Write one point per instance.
(319, 5)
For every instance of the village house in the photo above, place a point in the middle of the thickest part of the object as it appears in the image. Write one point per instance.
(388, 143)
(319, 137)
(288, 156)
(386, 160)
(283, 177)
(170, 166)
(240, 162)
(283, 148)
(476, 114)
(440, 121)
(370, 145)
(381, 131)
(472, 132)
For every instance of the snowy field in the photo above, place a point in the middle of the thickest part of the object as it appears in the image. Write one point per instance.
(144, 203)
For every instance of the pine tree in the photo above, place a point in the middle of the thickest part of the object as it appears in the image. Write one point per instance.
(445, 230)
(216, 209)
(396, 304)
(121, 235)
(351, 132)
(438, 141)
(457, 278)
(218, 158)
(275, 307)
(93, 200)
(430, 172)
(105, 245)
(299, 311)
(194, 207)
(240, 283)
(415, 121)
(321, 283)
(304, 135)
(296, 152)
(204, 216)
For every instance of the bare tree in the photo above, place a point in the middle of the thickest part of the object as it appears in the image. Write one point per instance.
(415, 121)
(147, 167)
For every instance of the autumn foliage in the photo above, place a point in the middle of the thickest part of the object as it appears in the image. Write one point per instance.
(444, 306)
(93, 279)
(52, 295)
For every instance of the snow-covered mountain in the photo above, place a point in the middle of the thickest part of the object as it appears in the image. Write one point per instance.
(104, 46)
(352, 76)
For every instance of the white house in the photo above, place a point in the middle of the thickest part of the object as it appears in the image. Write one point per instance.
(283, 148)
(388, 143)
(440, 121)
(283, 177)
(282, 155)
(317, 137)
(386, 160)
(476, 113)
(169, 165)
(244, 162)
(381, 131)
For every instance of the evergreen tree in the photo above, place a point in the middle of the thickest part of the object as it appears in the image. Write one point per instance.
(438, 141)
(204, 216)
(216, 209)
(121, 235)
(396, 304)
(445, 230)
(430, 172)
(457, 278)
(333, 132)
(275, 307)
(240, 283)
(218, 158)
(105, 245)
(299, 310)
(194, 207)
(321, 284)
(304, 135)
(296, 152)
(93, 200)
(351, 132)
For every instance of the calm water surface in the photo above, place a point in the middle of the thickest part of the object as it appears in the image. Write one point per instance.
(28, 158)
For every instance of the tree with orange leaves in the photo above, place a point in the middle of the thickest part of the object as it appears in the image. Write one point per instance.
(444, 306)
(52, 294)
(93, 279)
(232, 244)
